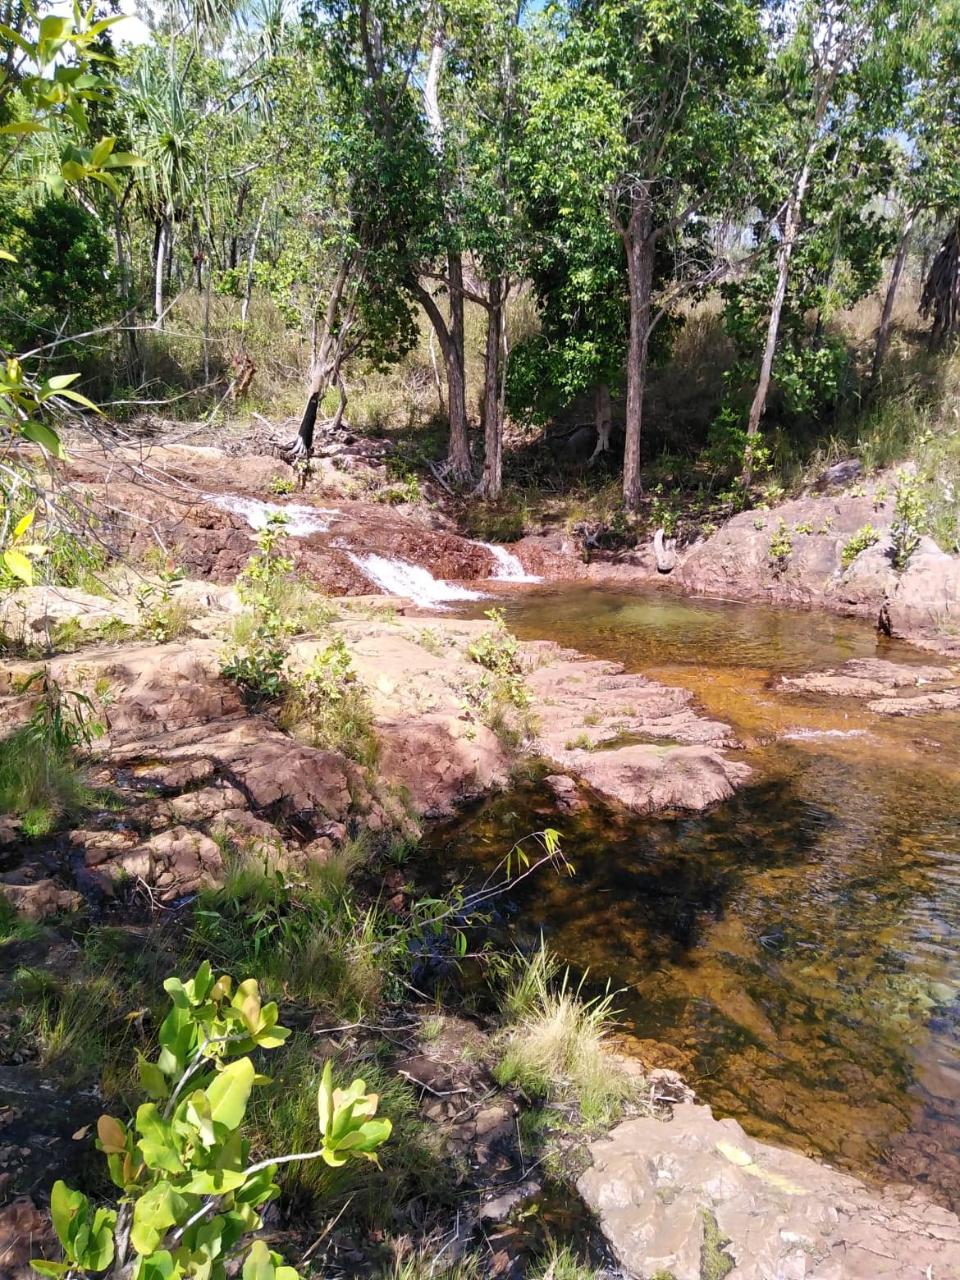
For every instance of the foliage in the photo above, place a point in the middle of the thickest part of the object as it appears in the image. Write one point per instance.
(781, 546)
(331, 707)
(500, 698)
(909, 518)
(190, 1195)
(866, 536)
(554, 1044)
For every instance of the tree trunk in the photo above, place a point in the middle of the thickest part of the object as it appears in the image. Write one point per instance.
(159, 268)
(251, 263)
(326, 364)
(790, 228)
(639, 244)
(886, 316)
(492, 482)
(458, 452)
(602, 418)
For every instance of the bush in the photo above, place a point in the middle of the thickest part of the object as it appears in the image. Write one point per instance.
(864, 537)
(331, 708)
(909, 519)
(190, 1193)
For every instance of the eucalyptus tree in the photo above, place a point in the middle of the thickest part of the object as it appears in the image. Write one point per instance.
(928, 180)
(832, 94)
(653, 110)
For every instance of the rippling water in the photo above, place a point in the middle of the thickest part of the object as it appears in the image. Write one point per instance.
(794, 952)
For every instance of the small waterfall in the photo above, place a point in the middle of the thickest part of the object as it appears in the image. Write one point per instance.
(400, 578)
(509, 568)
(302, 520)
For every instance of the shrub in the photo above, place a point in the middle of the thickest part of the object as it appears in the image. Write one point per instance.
(909, 519)
(866, 536)
(781, 546)
(280, 484)
(190, 1195)
(329, 706)
(500, 698)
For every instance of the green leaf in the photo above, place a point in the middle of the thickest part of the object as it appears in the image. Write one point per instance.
(18, 564)
(260, 1263)
(157, 1210)
(43, 435)
(214, 1182)
(101, 151)
(67, 1209)
(152, 1080)
(7, 257)
(23, 126)
(158, 1144)
(230, 1091)
(61, 380)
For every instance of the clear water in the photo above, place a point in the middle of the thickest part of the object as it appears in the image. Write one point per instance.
(794, 952)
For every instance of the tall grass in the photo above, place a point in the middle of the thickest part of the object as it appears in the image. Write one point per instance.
(39, 780)
(554, 1045)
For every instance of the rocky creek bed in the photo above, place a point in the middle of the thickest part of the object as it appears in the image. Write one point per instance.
(761, 807)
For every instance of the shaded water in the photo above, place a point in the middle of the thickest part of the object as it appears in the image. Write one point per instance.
(794, 952)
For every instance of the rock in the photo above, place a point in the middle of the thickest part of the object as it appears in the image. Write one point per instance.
(673, 1196)
(922, 704)
(25, 1233)
(649, 778)
(665, 552)
(840, 474)
(39, 899)
(177, 862)
(866, 678)
(565, 791)
(32, 612)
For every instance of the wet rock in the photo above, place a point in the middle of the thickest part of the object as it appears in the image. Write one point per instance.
(922, 704)
(565, 791)
(672, 1196)
(866, 678)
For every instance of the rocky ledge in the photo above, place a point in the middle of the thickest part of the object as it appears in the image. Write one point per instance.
(696, 1197)
(195, 765)
(888, 688)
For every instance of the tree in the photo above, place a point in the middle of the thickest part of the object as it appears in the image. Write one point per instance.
(659, 112)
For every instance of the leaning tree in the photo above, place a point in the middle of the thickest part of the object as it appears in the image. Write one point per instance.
(941, 290)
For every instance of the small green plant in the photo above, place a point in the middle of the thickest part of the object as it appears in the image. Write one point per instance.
(162, 617)
(280, 484)
(662, 514)
(866, 536)
(555, 1042)
(497, 649)
(331, 707)
(781, 546)
(190, 1194)
(257, 664)
(500, 699)
(803, 527)
(909, 518)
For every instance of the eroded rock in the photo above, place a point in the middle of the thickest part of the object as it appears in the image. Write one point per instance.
(669, 1195)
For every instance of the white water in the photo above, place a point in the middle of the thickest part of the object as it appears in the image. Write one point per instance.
(509, 568)
(400, 578)
(301, 519)
(803, 735)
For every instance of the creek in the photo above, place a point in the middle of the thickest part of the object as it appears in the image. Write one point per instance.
(793, 951)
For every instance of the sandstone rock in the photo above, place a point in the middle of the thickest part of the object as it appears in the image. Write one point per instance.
(177, 862)
(38, 899)
(667, 1195)
(31, 612)
(565, 791)
(841, 473)
(649, 778)
(922, 704)
(866, 678)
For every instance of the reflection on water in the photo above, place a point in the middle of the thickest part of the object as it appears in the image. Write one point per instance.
(794, 951)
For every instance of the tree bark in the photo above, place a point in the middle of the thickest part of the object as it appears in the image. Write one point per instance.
(159, 268)
(602, 418)
(492, 483)
(640, 245)
(326, 364)
(458, 451)
(251, 263)
(790, 228)
(886, 316)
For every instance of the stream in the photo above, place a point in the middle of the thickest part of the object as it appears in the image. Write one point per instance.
(793, 952)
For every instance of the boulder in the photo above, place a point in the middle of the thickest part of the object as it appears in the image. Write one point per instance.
(695, 1196)
(648, 778)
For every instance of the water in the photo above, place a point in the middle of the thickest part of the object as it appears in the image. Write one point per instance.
(793, 952)
(509, 567)
(412, 581)
(302, 520)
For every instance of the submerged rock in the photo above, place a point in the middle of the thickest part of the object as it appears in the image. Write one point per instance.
(879, 681)
(696, 1196)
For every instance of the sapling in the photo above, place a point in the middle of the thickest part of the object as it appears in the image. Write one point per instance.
(190, 1195)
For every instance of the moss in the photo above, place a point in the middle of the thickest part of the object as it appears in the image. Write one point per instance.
(715, 1262)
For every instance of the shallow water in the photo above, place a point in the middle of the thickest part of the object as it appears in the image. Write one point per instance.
(794, 952)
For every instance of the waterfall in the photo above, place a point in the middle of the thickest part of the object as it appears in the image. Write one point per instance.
(400, 578)
(509, 568)
(302, 520)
